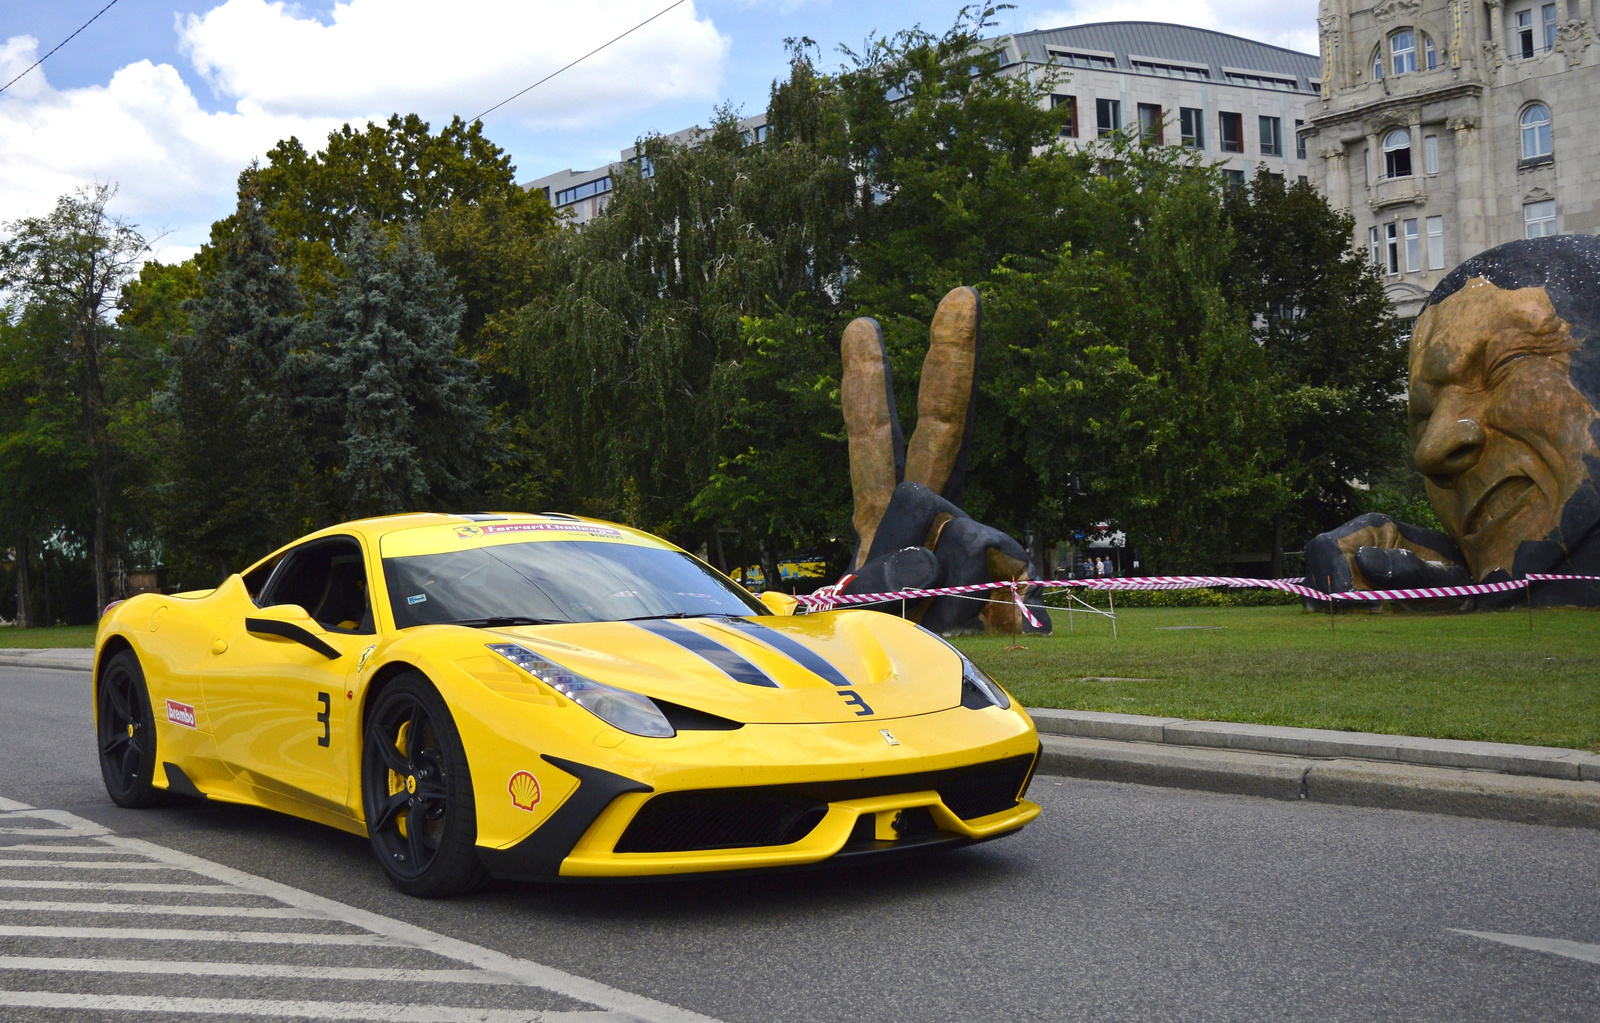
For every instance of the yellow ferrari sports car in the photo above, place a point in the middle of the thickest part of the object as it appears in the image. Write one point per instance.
(551, 697)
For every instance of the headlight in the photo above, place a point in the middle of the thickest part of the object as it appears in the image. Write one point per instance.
(630, 712)
(974, 677)
(977, 688)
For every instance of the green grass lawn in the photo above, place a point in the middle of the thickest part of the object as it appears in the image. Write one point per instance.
(55, 636)
(1474, 676)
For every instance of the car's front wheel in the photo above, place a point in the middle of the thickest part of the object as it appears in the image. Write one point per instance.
(126, 730)
(417, 792)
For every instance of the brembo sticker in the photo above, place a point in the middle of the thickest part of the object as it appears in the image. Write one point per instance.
(466, 532)
(180, 714)
(524, 789)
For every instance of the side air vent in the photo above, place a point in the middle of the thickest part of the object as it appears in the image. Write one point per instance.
(687, 719)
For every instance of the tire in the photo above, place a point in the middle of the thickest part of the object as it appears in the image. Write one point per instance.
(125, 728)
(414, 769)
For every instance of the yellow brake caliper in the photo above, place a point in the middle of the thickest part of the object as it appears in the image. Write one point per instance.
(397, 784)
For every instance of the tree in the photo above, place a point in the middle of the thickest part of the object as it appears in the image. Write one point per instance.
(399, 426)
(1336, 350)
(631, 351)
(68, 267)
(234, 483)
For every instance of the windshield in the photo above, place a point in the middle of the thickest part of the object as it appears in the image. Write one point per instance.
(552, 581)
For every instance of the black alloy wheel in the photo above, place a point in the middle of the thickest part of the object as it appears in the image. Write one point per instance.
(417, 792)
(126, 730)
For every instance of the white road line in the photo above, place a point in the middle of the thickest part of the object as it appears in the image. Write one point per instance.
(158, 909)
(123, 886)
(179, 934)
(88, 850)
(175, 967)
(90, 865)
(10, 805)
(1558, 946)
(295, 1009)
(527, 971)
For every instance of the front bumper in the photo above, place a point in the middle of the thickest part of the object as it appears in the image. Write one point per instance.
(615, 827)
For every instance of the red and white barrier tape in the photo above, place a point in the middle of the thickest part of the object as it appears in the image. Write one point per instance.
(828, 597)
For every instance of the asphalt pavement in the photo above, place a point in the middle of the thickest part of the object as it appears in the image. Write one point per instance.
(1122, 902)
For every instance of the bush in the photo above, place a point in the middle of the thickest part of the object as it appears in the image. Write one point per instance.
(1181, 598)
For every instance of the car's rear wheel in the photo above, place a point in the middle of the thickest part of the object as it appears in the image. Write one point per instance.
(126, 729)
(417, 792)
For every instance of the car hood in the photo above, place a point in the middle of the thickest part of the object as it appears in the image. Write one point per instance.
(837, 666)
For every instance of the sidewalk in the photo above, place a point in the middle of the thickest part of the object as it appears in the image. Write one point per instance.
(1532, 784)
(68, 658)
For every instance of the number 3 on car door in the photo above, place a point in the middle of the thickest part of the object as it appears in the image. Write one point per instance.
(324, 717)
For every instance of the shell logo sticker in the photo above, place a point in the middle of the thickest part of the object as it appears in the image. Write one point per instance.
(524, 790)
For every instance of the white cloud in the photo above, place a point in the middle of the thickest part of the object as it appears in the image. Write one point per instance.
(1292, 24)
(283, 74)
(383, 55)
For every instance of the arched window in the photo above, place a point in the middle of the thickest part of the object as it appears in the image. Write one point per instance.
(1377, 62)
(1536, 132)
(1403, 51)
(1397, 154)
(1430, 56)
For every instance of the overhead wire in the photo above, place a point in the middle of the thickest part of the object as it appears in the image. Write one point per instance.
(591, 53)
(58, 46)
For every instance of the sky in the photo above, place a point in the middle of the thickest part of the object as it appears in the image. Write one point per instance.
(170, 99)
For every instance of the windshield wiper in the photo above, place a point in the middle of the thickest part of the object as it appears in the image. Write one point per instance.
(498, 622)
(670, 614)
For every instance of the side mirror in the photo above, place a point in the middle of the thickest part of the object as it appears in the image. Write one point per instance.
(291, 622)
(778, 603)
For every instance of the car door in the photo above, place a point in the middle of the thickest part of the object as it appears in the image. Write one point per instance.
(276, 684)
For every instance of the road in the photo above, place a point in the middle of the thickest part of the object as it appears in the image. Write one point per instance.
(1121, 903)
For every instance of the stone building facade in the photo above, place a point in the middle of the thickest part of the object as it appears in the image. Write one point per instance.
(1447, 127)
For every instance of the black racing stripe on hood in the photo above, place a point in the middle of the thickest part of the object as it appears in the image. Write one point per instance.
(795, 650)
(734, 666)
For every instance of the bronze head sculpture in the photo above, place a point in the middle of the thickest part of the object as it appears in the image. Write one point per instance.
(910, 529)
(1504, 419)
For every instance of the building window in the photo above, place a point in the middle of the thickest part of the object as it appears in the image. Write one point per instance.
(1152, 67)
(1540, 218)
(763, 132)
(1377, 63)
(1549, 12)
(1150, 124)
(1375, 247)
(1397, 154)
(1403, 51)
(1069, 124)
(1232, 126)
(568, 196)
(1413, 247)
(1536, 132)
(1192, 123)
(1108, 116)
(1271, 136)
(1431, 58)
(1435, 243)
(1525, 34)
(1099, 61)
(1299, 139)
(1430, 154)
(1233, 178)
(1391, 242)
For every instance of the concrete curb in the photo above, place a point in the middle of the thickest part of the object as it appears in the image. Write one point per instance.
(1504, 758)
(64, 659)
(1390, 785)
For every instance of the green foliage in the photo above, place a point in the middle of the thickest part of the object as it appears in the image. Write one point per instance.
(395, 410)
(1335, 347)
(233, 484)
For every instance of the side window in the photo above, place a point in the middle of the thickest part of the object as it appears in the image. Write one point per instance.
(256, 579)
(329, 579)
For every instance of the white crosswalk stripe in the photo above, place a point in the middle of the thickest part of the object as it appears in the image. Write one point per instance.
(48, 941)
